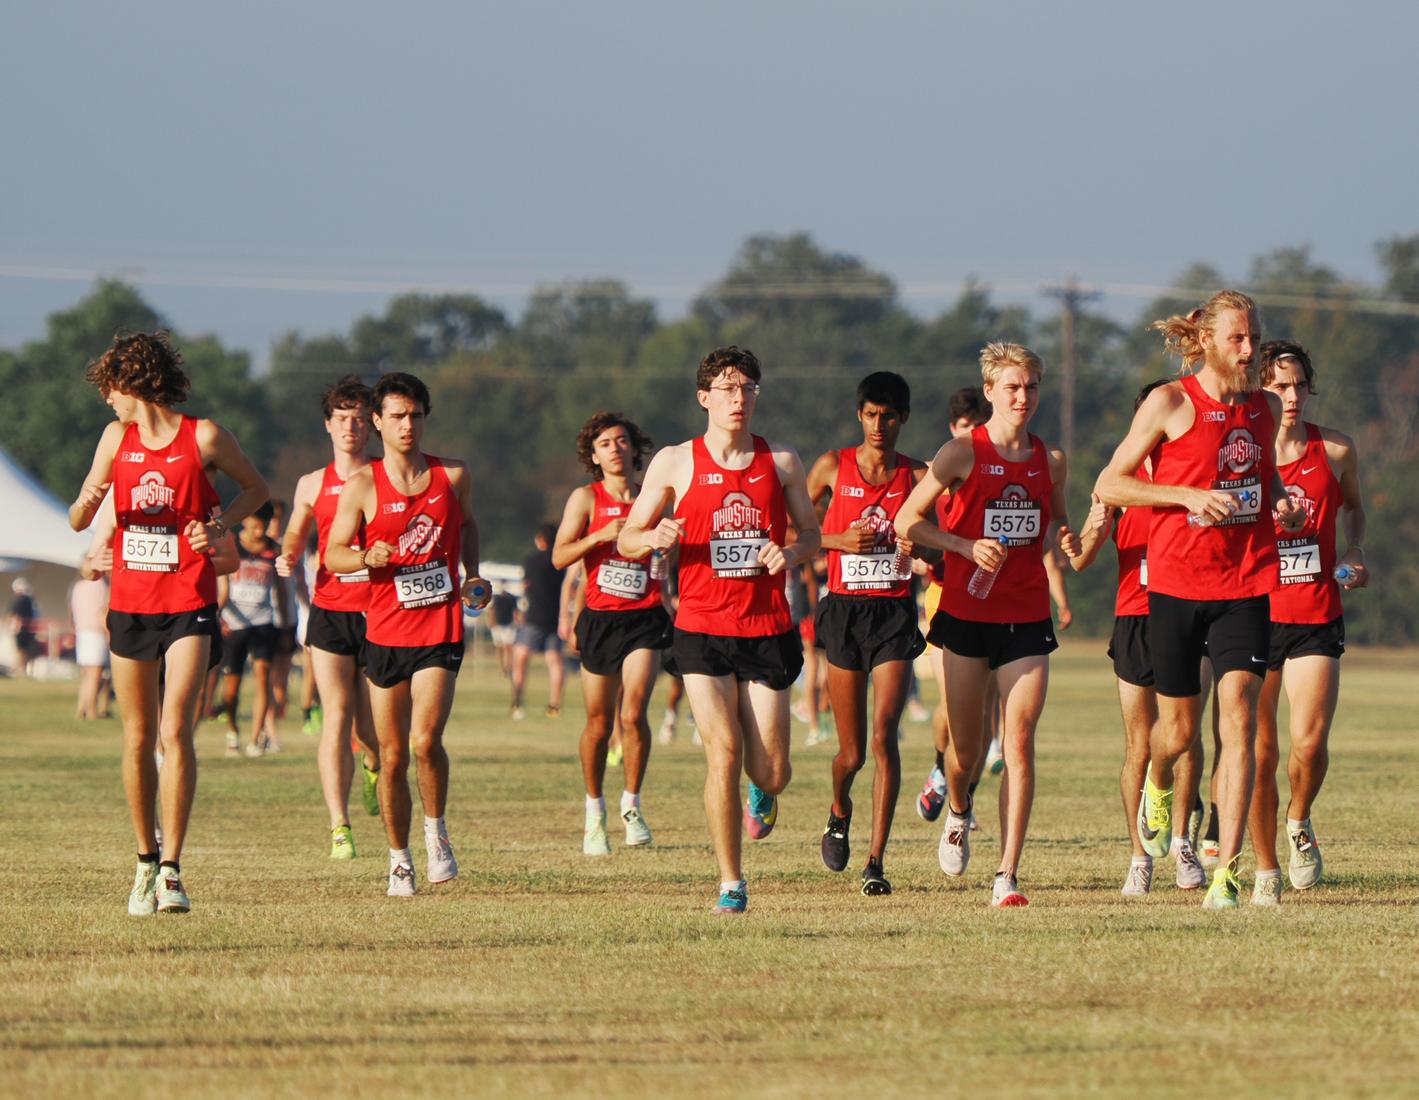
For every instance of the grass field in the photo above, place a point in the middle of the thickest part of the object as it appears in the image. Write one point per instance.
(539, 972)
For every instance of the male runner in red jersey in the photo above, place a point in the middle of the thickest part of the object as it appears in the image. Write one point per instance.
(335, 632)
(867, 619)
(623, 626)
(1320, 469)
(1211, 558)
(163, 599)
(733, 493)
(417, 517)
(1007, 506)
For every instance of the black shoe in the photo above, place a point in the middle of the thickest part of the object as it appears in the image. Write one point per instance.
(874, 882)
(835, 846)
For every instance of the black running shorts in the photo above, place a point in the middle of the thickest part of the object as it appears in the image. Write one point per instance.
(339, 632)
(147, 637)
(285, 644)
(861, 632)
(257, 642)
(1234, 634)
(604, 638)
(774, 660)
(998, 643)
(387, 665)
(1128, 648)
(1306, 640)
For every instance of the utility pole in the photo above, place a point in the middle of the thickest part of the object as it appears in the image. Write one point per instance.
(1071, 297)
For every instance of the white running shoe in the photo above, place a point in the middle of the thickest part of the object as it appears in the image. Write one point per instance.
(1005, 893)
(954, 851)
(273, 744)
(815, 736)
(916, 712)
(1139, 880)
(401, 881)
(594, 841)
(1267, 890)
(995, 758)
(171, 897)
(255, 749)
(667, 728)
(695, 738)
(1305, 863)
(442, 865)
(637, 831)
(233, 745)
(1191, 874)
(518, 713)
(1210, 854)
(143, 901)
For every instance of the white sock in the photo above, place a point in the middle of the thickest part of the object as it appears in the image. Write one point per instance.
(1294, 826)
(630, 801)
(1143, 861)
(400, 857)
(595, 806)
(740, 885)
(436, 826)
(1275, 872)
(1180, 841)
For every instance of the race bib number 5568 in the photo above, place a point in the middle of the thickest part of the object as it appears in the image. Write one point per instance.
(423, 585)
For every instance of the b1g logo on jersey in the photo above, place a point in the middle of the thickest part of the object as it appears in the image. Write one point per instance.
(614, 511)
(1216, 416)
(1239, 453)
(1300, 500)
(132, 456)
(737, 513)
(334, 490)
(991, 470)
(421, 536)
(152, 494)
(851, 491)
(394, 507)
(710, 479)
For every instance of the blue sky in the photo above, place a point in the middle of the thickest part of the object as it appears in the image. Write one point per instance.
(262, 167)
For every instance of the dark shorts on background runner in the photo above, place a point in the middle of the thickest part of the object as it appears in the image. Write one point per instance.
(774, 660)
(1128, 649)
(387, 665)
(861, 632)
(538, 639)
(604, 638)
(338, 632)
(147, 637)
(285, 641)
(1234, 634)
(257, 642)
(998, 643)
(1306, 640)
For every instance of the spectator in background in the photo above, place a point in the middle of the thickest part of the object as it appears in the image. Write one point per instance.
(23, 616)
(88, 607)
(504, 611)
(538, 632)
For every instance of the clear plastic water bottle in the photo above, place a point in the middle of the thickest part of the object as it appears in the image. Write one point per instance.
(983, 580)
(479, 591)
(658, 565)
(1345, 573)
(1200, 519)
(902, 563)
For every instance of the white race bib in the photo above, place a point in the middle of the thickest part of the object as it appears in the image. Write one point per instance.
(862, 572)
(150, 549)
(736, 553)
(1247, 493)
(1143, 573)
(249, 593)
(1016, 521)
(423, 585)
(1300, 560)
(626, 580)
(361, 576)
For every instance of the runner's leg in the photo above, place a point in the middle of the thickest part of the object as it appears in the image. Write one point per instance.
(965, 692)
(637, 681)
(714, 701)
(847, 688)
(135, 685)
(186, 664)
(891, 682)
(1139, 707)
(338, 680)
(1237, 694)
(432, 691)
(1262, 817)
(599, 693)
(1023, 685)
(391, 708)
(1313, 688)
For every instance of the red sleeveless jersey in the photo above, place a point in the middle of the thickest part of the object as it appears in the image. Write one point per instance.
(856, 503)
(1009, 500)
(729, 516)
(1307, 591)
(936, 573)
(156, 494)
(336, 591)
(414, 600)
(614, 583)
(1228, 448)
(1131, 542)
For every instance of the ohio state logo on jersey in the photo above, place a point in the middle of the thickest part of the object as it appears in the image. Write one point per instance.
(1239, 453)
(421, 536)
(738, 513)
(152, 494)
(874, 518)
(1300, 500)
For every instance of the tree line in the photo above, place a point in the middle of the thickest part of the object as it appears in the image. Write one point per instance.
(510, 394)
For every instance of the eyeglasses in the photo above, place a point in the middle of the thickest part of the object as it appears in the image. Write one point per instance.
(748, 389)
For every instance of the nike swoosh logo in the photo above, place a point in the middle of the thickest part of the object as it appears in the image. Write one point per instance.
(200, 619)
(176, 458)
(1254, 415)
(1032, 473)
(759, 478)
(1145, 832)
(890, 496)
(435, 500)
(1308, 469)
(1258, 661)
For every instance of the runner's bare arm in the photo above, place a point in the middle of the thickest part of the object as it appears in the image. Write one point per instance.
(302, 511)
(220, 451)
(915, 520)
(225, 558)
(357, 504)
(98, 560)
(1097, 526)
(649, 527)
(571, 545)
(800, 511)
(822, 483)
(477, 592)
(1345, 461)
(99, 478)
(573, 599)
(1165, 414)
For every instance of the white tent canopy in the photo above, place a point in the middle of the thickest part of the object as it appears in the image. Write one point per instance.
(33, 525)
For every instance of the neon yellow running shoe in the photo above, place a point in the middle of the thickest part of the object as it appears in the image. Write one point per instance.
(1225, 888)
(370, 789)
(1155, 819)
(342, 842)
